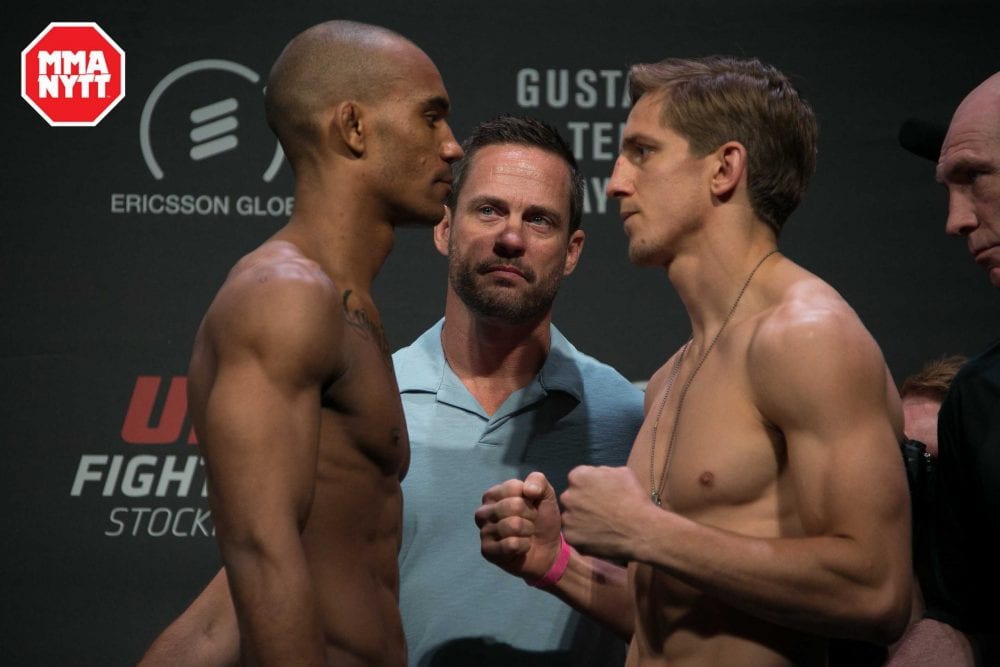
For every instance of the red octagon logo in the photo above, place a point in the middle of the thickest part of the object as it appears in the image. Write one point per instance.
(73, 74)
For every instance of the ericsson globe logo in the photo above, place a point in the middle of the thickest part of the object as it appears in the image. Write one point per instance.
(207, 147)
(207, 113)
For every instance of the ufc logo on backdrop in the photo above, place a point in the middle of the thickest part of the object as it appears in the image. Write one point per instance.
(156, 416)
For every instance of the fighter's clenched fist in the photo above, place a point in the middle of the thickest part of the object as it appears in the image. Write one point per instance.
(519, 526)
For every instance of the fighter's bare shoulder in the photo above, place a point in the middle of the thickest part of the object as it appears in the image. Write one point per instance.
(276, 302)
(810, 348)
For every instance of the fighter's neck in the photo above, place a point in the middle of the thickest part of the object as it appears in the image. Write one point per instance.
(709, 282)
(349, 246)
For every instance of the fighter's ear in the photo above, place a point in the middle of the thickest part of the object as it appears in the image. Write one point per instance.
(349, 123)
(729, 167)
(442, 232)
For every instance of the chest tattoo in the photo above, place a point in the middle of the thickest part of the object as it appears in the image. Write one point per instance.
(368, 329)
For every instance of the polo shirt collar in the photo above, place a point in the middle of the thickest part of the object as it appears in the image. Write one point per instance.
(424, 369)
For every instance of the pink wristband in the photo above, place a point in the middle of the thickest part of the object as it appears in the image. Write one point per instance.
(558, 568)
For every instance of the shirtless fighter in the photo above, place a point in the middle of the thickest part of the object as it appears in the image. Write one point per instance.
(764, 505)
(291, 384)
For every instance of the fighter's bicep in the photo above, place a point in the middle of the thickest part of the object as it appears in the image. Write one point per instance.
(823, 388)
(260, 441)
(275, 348)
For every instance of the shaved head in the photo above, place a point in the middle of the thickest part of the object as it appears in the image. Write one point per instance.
(979, 109)
(325, 65)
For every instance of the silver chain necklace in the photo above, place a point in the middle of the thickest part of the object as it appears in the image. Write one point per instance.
(656, 490)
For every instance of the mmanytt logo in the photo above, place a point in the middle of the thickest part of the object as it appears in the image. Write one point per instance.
(73, 74)
(212, 122)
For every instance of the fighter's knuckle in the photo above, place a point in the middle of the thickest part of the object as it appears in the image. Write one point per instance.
(514, 527)
(517, 526)
(508, 507)
(510, 546)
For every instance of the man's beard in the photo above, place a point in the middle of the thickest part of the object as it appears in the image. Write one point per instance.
(500, 303)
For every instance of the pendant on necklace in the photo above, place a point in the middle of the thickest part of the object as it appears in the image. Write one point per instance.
(655, 497)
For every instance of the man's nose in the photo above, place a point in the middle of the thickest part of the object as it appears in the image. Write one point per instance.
(510, 240)
(451, 150)
(961, 215)
(620, 183)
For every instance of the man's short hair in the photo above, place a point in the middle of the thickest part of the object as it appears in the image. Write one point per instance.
(934, 378)
(320, 67)
(716, 99)
(521, 131)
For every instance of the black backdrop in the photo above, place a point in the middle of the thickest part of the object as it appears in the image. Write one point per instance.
(103, 283)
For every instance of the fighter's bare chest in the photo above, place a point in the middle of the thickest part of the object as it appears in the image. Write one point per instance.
(716, 451)
(362, 418)
(362, 412)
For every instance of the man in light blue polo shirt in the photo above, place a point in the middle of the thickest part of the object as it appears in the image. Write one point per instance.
(494, 391)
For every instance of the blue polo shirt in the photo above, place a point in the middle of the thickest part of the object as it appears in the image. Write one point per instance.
(458, 608)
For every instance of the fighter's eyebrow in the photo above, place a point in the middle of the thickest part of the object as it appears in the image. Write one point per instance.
(438, 103)
(638, 139)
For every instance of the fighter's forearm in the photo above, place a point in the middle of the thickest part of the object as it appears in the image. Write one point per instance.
(599, 589)
(205, 635)
(183, 644)
(827, 585)
(275, 605)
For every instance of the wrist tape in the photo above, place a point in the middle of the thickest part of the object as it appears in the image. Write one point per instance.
(558, 568)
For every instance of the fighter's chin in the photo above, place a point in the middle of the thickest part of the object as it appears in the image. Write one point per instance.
(424, 217)
(640, 255)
